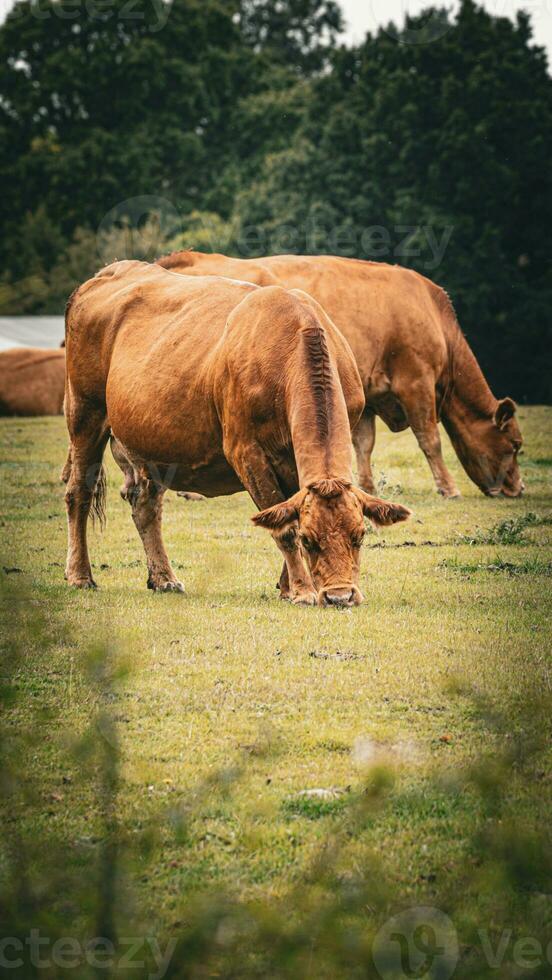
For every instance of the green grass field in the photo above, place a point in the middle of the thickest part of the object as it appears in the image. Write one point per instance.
(228, 704)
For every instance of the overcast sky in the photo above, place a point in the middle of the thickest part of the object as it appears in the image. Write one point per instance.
(366, 15)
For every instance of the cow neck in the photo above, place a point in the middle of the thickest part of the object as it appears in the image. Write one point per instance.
(317, 413)
(467, 397)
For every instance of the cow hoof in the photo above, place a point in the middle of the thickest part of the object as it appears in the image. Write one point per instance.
(166, 587)
(449, 494)
(82, 583)
(305, 599)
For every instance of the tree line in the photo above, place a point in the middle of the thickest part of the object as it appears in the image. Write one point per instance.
(132, 127)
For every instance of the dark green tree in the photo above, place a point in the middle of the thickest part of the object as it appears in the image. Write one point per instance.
(99, 107)
(434, 155)
(296, 33)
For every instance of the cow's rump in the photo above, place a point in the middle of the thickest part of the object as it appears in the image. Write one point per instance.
(32, 381)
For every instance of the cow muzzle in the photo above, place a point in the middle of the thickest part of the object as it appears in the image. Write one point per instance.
(340, 596)
(509, 492)
(514, 491)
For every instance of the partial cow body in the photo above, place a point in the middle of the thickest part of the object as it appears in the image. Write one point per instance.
(32, 381)
(415, 365)
(216, 386)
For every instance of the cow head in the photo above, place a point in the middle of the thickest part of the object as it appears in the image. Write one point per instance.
(328, 518)
(488, 449)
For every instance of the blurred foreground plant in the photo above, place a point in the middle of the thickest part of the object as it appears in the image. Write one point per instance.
(75, 906)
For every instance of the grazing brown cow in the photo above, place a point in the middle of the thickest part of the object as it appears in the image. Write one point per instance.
(214, 386)
(32, 381)
(415, 364)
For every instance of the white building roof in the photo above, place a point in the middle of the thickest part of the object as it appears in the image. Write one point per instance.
(31, 331)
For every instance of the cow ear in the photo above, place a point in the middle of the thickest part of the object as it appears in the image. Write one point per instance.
(381, 512)
(505, 410)
(281, 514)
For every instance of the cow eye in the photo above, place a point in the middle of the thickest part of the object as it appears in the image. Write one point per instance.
(309, 544)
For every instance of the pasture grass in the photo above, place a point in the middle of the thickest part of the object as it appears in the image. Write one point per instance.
(257, 741)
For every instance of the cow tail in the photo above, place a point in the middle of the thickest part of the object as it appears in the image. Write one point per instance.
(98, 499)
(99, 493)
(66, 471)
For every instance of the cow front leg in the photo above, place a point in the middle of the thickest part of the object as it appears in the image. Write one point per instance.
(259, 479)
(429, 442)
(364, 437)
(283, 584)
(300, 589)
(419, 404)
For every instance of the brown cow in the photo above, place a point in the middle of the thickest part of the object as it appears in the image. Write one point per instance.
(415, 364)
(215, 386)
(32, 381)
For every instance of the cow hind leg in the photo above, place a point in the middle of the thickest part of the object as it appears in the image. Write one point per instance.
(364, 437)
(146, 500)
(131, 479)
(84, 476)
